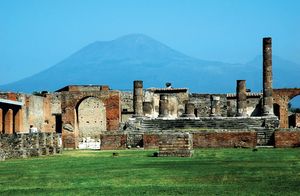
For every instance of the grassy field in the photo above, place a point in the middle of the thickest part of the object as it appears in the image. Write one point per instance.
(135, 172)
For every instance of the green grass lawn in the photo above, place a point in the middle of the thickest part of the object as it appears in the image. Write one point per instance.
(135, 172)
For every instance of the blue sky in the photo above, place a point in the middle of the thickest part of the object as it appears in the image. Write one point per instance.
(36, 34)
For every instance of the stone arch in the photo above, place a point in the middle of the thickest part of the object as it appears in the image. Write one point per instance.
(90, 117)
(282, 97)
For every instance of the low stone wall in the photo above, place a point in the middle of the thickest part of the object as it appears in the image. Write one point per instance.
(176, 145)
(151, 140)
(224, 139)
(29, 144)
(285, 138)
(113, 141)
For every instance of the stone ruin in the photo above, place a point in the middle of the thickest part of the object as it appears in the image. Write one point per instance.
(96, 117)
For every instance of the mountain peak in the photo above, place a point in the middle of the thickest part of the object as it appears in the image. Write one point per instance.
(136, 37)
(132, 46)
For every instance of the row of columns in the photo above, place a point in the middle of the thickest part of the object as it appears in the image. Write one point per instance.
(241, 93)
(164, 103)
(11, 121)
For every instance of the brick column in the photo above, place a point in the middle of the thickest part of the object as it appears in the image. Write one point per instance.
(18, 121)
(267, 77)
(215, 106)
(138, 98)
(1, 120)
(241, 98)
(8, 122)
(163, 106)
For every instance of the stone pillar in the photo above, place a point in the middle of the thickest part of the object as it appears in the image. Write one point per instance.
(163, 106)
(8, 122)
(18, 121)
(267, 77)
(215, 106)
(138, 98)
(241, 98)
(189, 110)
(1, 120)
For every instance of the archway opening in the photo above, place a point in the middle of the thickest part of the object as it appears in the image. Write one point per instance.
(276, 109)
(294, 112)
(91, 121)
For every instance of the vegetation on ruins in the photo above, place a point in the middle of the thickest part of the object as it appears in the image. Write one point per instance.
(134, 172)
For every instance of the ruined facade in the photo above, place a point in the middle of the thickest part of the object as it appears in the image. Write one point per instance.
(93, 116)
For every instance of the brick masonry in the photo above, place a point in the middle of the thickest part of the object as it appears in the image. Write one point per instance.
(151, 140)
(113, 141)
(69, 104)
(176, 145)
(287, 138)
(224, 139)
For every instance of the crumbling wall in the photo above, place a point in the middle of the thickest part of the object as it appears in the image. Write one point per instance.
(91, 118)
(70, 103)
(254, 106)
(113, 141)
(176, 103)
(126, 105)
(203, 103)
(151, 140)
(29, 144)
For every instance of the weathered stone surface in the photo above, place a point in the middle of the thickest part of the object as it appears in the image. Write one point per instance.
(138, 98)
(285, 138)
(224, 139)
(113, 141)
(68, 127)
(29, 144)
(241, 106)
(267, 77)
(204, 103)
(175, 144)
(151, 140)
(210, 122)
(70, 104)
(281, 99)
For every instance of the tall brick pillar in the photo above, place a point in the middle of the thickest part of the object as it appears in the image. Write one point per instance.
(163, 106)
(267, 77)
(215, 106)
(138, 98)
(8, 122)
(241, 98)
(1, 120)
(18, 121)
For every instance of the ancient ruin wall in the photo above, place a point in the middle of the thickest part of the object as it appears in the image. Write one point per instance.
(253, 105)
(203, 103)
(224, 139)
(286, 138)
(28, 145)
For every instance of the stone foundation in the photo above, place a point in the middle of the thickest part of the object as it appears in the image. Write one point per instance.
(113, 141)
(224, 139)
(151, 140)
(286, 138)
(176, 145)
(29, 145)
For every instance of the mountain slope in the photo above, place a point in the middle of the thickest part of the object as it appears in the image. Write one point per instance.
(120, 61)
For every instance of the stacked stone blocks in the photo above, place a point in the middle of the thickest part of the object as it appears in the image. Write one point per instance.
(29, 145)
(176, 145)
